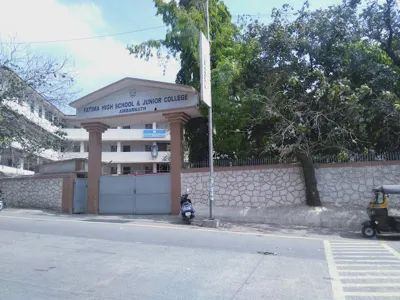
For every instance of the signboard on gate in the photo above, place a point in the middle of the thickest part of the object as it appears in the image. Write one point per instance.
(205, 70)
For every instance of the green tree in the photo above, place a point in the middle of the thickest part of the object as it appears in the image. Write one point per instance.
(320, 88)
(228, 55)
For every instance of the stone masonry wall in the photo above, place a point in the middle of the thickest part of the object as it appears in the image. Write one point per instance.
(353, 184)
(349, 184)
(40, 193)
(254, 188)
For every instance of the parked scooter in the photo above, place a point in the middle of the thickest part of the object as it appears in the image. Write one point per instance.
(2, 202)
(187, 210)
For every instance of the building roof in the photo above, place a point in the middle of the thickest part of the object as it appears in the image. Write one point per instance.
(126, 83)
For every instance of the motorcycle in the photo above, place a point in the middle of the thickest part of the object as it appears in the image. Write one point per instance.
(187, 210)
(2, 202)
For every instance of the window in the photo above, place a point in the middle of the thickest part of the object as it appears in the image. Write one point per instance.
(76, 148)
(114, 170)
(32, 107)
(148, 169)
(126, 148)
(48, 115)
(126, 127)
(147, 148)
(163, 146)
(126, 170)
(113, 148)
(148, 126)
(40, 112)
(62, 149)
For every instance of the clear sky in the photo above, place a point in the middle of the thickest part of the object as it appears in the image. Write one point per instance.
(101, 61)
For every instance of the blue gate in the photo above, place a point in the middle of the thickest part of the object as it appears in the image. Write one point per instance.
(80, 196)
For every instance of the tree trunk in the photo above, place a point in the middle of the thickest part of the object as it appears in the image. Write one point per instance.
(310, 181)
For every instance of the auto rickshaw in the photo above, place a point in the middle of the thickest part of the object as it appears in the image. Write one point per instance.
(379, 219)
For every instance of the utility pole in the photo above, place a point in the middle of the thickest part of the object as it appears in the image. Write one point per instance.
(210, 131)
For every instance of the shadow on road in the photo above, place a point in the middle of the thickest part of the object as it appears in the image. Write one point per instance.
(225, 225)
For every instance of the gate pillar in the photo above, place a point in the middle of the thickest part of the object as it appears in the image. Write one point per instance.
(176, 121)
(95, 129)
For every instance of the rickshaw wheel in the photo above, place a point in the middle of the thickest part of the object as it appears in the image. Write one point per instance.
(368, 231)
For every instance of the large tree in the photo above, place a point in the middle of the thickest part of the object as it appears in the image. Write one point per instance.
(26, 75)
(321, 88)
(184, 20)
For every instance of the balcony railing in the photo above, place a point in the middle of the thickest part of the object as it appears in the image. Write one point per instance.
(121, 157)
(113, 135)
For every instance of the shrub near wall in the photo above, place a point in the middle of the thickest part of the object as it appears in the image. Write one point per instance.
(33, 192)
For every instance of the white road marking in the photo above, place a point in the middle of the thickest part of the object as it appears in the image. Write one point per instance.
(364, 265)
(361, 252)
(368, 260)
(364, 269)
(342, 247)
(337, 243)
(374, 284)
(391, 250)
(359, 277)
(333, 273)
(372, 294)
(351, 255)
(369, 271)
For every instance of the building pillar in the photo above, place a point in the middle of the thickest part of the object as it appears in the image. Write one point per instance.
(119, 146)
(21, 164)
(154, 167)
(119, 169)
(95, 129)
(176, 121)
(154, 125)
(82, 148)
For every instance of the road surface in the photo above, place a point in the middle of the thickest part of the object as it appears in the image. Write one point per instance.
(50, 257)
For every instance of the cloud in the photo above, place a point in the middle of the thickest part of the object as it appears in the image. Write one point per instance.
(98, 61)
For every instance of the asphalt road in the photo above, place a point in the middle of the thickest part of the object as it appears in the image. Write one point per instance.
(60, 258)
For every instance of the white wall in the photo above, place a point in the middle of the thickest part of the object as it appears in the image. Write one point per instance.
(113, 135)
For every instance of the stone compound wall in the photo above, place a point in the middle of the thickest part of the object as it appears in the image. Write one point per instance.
(353, 184)
(256, 187)
(268, 186)
(30, 192)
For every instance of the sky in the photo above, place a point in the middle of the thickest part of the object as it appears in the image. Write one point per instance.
(101, 61)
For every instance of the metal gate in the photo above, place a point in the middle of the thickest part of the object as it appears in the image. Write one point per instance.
(80, 196)
(143, 194)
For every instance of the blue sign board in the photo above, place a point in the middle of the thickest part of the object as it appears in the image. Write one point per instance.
(154, 133)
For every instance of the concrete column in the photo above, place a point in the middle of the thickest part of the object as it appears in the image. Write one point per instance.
(82, 148)
(176, 121)
(119, 147)
(119, 169)
(95, 130)
(154, 167)
(21, 163)
(154, 125)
